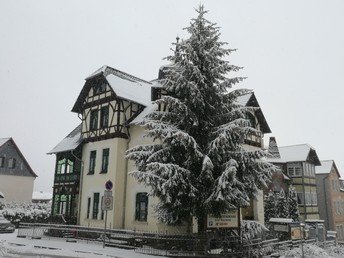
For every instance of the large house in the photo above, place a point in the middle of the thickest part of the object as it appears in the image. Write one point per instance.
(330, 197)
(91, 163)
(16, 176)
(298, 162)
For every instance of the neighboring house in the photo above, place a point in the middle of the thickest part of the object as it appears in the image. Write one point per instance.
(41, 197)
(16, 176)
(298, 163)
(110, 105)
(330, 197)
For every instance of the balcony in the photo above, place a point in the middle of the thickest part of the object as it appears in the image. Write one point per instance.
(67, 178)
(255, 139)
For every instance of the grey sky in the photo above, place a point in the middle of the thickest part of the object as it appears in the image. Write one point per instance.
(292, 53)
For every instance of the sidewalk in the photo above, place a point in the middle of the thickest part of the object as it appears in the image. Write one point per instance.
(13, 246)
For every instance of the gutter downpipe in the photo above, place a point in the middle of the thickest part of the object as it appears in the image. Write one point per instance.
(325, 197)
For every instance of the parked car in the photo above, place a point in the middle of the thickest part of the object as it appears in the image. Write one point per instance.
(5, 225)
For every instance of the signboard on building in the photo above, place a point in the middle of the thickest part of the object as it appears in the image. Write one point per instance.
(227, 220)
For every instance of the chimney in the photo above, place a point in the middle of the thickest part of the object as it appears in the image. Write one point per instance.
(273, 148)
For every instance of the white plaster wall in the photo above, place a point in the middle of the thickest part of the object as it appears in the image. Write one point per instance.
(96, 183)
(17, 188)
(134, 187)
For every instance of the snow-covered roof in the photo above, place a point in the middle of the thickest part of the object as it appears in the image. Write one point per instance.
(99, 71)
(42, 195)
(3, 141)
(250, 100)
(281, 220)
(70, 142)
(325, 168)
(137, 91)
(296, 153)
(124, 86)
(243, 99)
(145, 112)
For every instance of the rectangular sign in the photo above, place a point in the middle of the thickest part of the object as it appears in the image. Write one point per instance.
(227, 220)
(107, 203)
(107, 193)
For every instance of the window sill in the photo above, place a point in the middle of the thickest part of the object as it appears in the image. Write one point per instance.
(140, 222)
(90, 173)
(103, 172)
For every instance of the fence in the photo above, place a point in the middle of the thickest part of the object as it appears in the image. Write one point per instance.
(164, 244)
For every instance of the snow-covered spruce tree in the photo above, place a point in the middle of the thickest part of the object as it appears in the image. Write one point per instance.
(294, 212)
(197, 164)
(282, 210)
(269, 206)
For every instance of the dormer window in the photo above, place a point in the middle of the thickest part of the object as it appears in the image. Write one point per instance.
(99, 88)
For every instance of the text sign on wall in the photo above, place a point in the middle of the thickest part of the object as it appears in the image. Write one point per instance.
(227, 220)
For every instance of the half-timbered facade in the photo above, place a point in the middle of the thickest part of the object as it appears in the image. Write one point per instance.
(110, 106)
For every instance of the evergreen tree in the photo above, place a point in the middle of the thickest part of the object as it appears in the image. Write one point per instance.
(197, 164)
(269, 206)
(294, 212)
(282, 205)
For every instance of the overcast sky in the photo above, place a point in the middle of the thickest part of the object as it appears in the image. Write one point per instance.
(292, 53)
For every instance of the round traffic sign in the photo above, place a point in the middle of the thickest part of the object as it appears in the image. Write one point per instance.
(108, 185)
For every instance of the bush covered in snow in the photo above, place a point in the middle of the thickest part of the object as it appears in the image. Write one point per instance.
(25, 212)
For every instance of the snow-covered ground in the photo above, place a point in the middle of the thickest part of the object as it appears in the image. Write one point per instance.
(311, 251)
(12, 246)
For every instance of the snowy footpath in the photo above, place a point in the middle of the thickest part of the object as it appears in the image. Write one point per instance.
(12, 246)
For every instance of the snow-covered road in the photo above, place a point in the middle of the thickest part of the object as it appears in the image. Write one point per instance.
(12, 246)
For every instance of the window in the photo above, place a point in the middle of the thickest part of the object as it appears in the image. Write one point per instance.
(99, 88)
(141, 207)
(88, 208)
(95, 205)
(94, 120)
(104, 117)
(2, 162)
(11, 163)
(65, 166)
(314, 198)
(92, 164)
(300, 199)
(294, 170)
(105, 161)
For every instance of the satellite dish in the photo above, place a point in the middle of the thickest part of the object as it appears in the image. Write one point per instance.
(2, 195)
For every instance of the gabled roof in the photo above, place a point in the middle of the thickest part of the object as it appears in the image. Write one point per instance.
(299, 153)
(70, 142)
(124, 86)
(326, 167)
(250, 100)
(6, 140)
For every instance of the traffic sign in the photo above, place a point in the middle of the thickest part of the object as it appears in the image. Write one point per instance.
(108, 185)
(107, 203)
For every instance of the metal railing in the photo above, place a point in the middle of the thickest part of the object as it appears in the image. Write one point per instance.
(164, 244)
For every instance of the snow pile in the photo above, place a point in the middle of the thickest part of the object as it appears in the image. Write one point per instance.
(311, 251)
